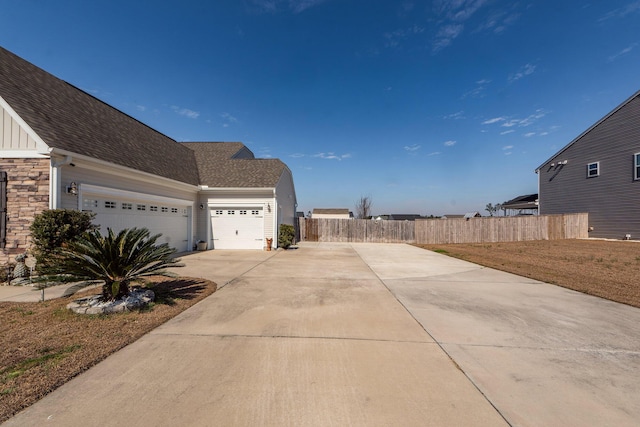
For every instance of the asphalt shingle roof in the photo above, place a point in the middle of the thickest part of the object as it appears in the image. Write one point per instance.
(219, 166)
(70, 119)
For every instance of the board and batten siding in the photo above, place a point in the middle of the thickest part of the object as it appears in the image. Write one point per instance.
(12, 135)
(612, 198)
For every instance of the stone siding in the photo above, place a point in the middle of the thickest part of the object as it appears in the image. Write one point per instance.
(27, 195)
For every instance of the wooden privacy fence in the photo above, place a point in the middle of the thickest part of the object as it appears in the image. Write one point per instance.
(356, 230)
(442, 231)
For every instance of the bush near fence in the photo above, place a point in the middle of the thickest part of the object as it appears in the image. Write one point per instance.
(442, 231)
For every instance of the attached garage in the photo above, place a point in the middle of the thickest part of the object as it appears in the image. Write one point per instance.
(120, 210)
(237, 227)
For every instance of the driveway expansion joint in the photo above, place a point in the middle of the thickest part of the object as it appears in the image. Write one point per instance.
(297, 337)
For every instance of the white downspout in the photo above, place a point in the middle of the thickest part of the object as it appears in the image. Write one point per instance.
(55, 181)
(275, 219)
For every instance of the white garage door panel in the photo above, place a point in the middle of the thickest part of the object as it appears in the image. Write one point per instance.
(237, 228)
(170, 221)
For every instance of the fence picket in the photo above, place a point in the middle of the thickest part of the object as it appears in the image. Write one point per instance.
(442, 231)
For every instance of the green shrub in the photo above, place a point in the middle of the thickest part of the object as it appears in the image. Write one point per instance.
(286, 236)
(116, 259)
(53, 229)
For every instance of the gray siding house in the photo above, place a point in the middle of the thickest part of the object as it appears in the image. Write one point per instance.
(599, 173)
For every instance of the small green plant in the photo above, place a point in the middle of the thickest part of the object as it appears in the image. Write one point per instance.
(53, 229)
(441, 251)
(286, 236)
(48, 356)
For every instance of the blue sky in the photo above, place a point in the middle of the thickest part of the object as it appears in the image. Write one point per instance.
(428, 107)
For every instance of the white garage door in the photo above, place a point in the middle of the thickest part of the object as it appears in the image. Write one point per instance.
(170, 221)
(237, 228)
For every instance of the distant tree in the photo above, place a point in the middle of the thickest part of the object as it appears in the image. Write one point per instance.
(493, 209)
(363, 207)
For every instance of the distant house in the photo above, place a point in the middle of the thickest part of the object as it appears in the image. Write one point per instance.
(521, 205)
(599, 173)
(60, 147)
(465, 216)
(336, 213)
(400, 217)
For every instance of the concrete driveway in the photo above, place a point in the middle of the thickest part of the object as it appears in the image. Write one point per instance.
(366, 335)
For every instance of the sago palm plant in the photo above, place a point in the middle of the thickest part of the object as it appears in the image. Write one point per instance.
(117, 259)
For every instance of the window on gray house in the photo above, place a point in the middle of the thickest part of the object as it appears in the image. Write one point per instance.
(636, 169)
(593, 169)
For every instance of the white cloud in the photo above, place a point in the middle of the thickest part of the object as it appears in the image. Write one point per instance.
(529, 134)
(446, 35)
(434, 153)
(229, 120)
(331, 156)
(296, 6)
(412, 148)
(525, 70)
(622, 52)
(494, 120)
(540, 113)
(506, 132)
(622, 12)
(500, 20)
(141, 108)
(296, 155)
(300, 5)
(478, 91)
(507, 147)
(394, 38)
(455, 116)
(186, 112)
(228, 117)
(452, 14)
(509, 122)
(450, 143)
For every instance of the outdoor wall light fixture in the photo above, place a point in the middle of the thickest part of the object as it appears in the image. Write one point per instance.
(201, 206)
(268, 207)
(72, 189)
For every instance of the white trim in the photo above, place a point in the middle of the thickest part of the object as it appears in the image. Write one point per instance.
(112, 168)
(22, 154)
(636, 165)
(232, 204)
(597, 169)
(124, 194)
(210, 191)
(41, 146)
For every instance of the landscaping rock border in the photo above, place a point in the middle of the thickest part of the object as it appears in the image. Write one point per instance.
(94, 304)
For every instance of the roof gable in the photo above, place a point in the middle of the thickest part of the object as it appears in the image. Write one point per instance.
(69, 119)
(231, 164)
(595, 125)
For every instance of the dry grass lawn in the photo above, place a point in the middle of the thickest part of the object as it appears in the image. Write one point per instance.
(608, 269)
(44, 345)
